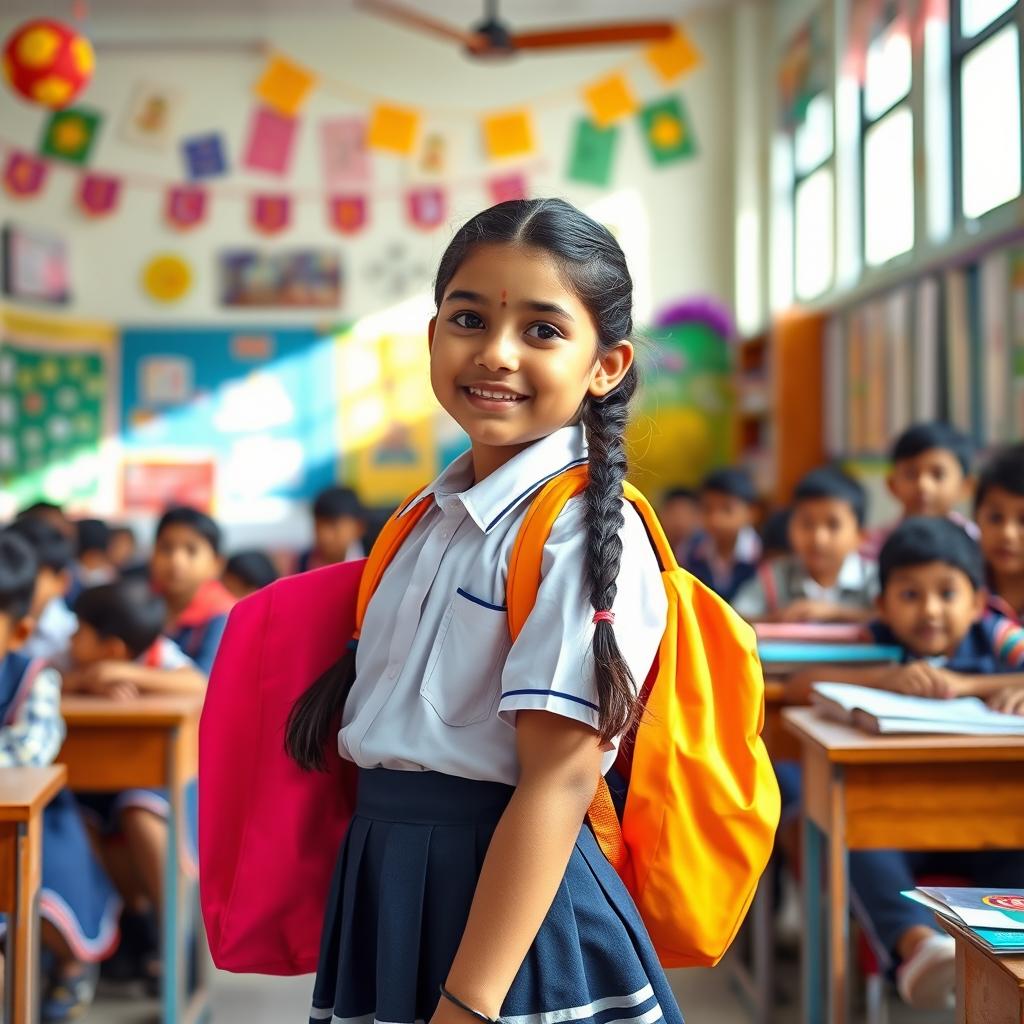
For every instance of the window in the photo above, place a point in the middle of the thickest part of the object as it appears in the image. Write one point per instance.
(887, 144)
(813, 205)
(986, 105)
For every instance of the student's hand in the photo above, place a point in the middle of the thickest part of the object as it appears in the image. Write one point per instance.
(107, 679)
(1010, 701)
(806, 610)
(920, 679)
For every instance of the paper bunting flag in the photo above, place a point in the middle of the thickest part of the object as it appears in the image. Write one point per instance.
(284, 86)
(186, 207)
(507, 187)
(98, 194)
(667, 130)
(204, 156)
(24, 174)
(393, 129)
(270, 214)
(674, 57)
(593, 153)
(347, 214)
(432, 157)
(346, 160)
(508, 134)
(271, 141)
(427, 207)
(610, 100)
(69, 134)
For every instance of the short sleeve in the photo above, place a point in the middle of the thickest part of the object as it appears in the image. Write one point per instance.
(1007, 642)
(171, 656)
(550, 666)
(751, 601)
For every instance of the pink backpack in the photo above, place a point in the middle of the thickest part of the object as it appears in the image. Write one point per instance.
(260, 816)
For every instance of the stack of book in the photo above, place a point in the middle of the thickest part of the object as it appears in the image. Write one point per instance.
(994, 916)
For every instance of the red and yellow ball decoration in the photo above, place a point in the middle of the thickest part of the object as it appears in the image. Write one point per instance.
(48, 63)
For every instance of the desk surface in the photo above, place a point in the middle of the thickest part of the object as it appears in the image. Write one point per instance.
(81, 710)
(26, 791)
(1012, 965)
(843, 744)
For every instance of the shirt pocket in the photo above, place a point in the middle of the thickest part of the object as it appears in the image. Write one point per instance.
(462, 681)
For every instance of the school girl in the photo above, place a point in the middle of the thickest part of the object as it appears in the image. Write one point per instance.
(469, 885)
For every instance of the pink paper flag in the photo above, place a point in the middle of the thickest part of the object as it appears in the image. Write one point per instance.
(347, 214)
(507, 187)
(346, 159)
(427, 206)
(24, 174)
(271, 213)
(271, 141)
(186, 206)
(98, 194)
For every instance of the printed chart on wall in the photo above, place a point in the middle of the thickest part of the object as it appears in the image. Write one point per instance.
(240, 421)
(58, 415)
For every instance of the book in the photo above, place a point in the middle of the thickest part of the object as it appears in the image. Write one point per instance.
(995, 916)
(887, 713)
(778, 652)
(816, 632)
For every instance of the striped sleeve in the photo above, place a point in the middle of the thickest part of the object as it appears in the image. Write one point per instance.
(1007, 642)
(35, 735)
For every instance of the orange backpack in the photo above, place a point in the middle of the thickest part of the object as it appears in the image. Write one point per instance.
(702, 803)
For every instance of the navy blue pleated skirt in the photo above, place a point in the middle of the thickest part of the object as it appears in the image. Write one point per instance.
(400, 898)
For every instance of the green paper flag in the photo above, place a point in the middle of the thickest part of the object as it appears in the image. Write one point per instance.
(668, 131)
(70, 134)
(593, 153)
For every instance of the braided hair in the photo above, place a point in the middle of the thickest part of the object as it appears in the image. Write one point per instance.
(594, 267)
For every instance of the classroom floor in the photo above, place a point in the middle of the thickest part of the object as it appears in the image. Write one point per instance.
(705, 996)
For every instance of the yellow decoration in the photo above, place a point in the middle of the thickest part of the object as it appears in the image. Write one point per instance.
(508, 134)
(52, 91)
(675, 57)
(666, 131)
(610, 100)
(83, 55)
(69, 134)
(36, 49)
(393, 129)
(284, 86)
(166, 278)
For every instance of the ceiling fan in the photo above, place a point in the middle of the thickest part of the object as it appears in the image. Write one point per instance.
(493, 38)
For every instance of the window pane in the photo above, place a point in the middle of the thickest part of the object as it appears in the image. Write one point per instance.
(889, 187)
(814, 235)
(889, 69)
(976, 14)
(780, 268)
(990, 123)
(813, 137)
(938, 129)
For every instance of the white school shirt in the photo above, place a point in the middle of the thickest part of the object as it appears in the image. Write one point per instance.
(438, 681)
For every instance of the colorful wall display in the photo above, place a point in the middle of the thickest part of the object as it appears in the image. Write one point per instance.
(303, 279)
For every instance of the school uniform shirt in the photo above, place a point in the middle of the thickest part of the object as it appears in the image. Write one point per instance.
(54, 630)
(724, 576)
(993, 644)
(199, 628)
(783, 581)
(998, 605)
(875, 539)
(31, 727)
(439, 682)
(311, 559)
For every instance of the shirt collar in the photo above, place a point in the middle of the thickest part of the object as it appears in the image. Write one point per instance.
(490, 500)
(852, 576)
(746, 549)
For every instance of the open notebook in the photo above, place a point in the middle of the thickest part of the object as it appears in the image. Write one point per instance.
(893, 713)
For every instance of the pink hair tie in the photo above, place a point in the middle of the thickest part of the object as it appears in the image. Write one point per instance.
(604, 617)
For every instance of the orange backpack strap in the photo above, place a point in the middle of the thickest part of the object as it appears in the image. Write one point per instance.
(390, 539)
(524, 577)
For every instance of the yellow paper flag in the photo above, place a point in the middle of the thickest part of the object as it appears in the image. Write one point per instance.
(674, 57)
(284, 86)
(610, 100)
(393, 129)
(508, 134)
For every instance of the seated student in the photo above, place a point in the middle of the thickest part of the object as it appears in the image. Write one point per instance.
(54, 621)
(122, 548)
(725, 552)
(118, 653)
(999, 512)
(339, 525)
(77, 903)
(931, 475)
(775, 534)
(825, 579)
(186, 567)
(50, 513)
(94, 566)
(247, 572)
(679, 515)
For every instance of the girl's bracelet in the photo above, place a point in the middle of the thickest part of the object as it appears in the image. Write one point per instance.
(456, 1001)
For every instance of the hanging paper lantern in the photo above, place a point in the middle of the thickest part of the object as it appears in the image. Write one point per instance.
(47, 62)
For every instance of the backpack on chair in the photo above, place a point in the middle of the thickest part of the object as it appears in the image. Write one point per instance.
(701, 805)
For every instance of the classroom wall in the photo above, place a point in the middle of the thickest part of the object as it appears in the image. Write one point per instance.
(674, 221)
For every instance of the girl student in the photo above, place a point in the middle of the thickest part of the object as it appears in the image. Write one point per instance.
(468, 885)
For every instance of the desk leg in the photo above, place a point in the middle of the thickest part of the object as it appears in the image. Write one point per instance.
(762, 946)
(173, 939)
(837, 910)
(23, 925)
(813, 977)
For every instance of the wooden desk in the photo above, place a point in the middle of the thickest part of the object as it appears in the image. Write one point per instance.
(989, 988)
(864, 792)
(151, 741)
(24, 794)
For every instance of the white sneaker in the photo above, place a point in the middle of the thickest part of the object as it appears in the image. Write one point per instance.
(927, 981)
